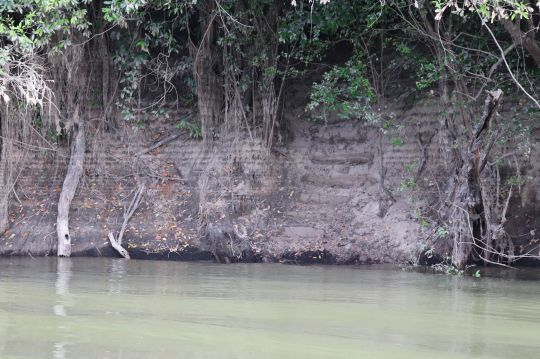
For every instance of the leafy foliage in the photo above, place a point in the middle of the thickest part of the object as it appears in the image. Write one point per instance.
(26, 28)
(194, 130)
(147, 57)
(345, 90)
(28, 25)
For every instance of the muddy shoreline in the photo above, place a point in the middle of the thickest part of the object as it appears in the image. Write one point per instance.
(197, 254)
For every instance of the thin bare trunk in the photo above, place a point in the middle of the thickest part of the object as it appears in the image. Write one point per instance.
(4, 167)
(12, 124)
(4, 175)
(386, 199)
(269, 110)
(75, 170)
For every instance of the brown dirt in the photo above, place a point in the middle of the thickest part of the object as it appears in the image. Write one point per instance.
(313, 199)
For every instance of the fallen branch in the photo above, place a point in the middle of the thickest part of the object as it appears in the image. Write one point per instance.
(128, 213)
(118, 247)
(164, 141)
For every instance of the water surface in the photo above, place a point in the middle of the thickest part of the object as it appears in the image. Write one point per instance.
(106, 308)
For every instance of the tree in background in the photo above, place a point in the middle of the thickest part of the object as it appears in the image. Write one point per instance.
(34, 38)
(457, 51)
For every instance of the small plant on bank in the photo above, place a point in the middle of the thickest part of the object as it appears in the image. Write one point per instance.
(442, 232)
(345, 91)
(194, 130)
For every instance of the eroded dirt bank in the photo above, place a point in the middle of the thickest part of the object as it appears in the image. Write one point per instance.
(313, 198)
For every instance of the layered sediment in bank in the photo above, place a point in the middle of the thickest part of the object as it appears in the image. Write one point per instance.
(313, 198)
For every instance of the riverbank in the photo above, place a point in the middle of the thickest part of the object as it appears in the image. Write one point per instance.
(315, 198)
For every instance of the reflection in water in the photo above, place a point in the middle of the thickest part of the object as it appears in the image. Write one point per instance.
(64, 301)
(101, 308)
(59, 351)
(118, 271)
(63, 275)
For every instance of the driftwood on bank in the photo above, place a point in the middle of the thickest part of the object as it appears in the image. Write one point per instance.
(118, 247)
(116, 243)
(160, 143)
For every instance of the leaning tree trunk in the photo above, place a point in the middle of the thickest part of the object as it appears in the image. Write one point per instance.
(69, 187)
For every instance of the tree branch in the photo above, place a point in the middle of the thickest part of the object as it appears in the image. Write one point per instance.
(128, 213)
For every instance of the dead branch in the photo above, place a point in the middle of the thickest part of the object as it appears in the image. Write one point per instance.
(123, 252)
(506, 205)
(128, 213)
(160, 143)
(490, 106)
(494, 136)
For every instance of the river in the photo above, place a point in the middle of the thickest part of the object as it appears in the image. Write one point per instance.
(108, 308)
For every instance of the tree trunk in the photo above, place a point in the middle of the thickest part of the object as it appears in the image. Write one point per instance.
(4, 173)
(205, 67)
(467, 214)
(527, 39)
(269, 111)
(69, 187)
(209, 98)
(267, 27)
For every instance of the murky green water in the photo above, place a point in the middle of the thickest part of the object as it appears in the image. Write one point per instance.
(100, 308)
